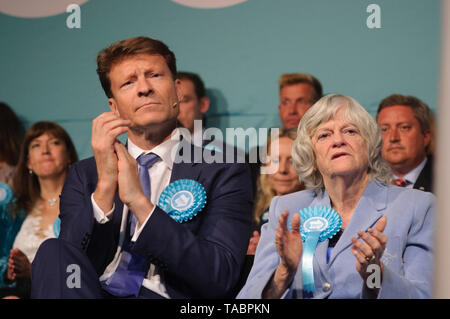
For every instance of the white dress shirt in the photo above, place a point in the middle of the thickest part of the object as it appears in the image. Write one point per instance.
(159, 173)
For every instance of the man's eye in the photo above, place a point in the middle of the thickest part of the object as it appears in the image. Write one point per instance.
(405, 127)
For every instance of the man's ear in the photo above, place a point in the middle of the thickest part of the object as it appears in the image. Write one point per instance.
(179, 90)
(113, 106)
(427, 138)
(204, 104)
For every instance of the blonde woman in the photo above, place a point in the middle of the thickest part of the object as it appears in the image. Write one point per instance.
(283, 181)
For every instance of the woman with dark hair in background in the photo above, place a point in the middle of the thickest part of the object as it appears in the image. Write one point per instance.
(45, 158)
(11, 137)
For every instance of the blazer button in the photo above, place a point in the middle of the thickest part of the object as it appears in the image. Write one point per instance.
(326, 286)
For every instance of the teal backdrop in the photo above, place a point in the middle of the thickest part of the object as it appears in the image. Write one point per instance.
(47, 70)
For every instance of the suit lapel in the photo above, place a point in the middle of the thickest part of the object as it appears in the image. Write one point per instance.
(366, 214)
(424, 181)
(185, 170)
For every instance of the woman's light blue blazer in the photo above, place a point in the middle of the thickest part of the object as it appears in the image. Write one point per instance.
(407, 260)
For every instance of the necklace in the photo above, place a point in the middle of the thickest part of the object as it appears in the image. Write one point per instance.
(52, 201)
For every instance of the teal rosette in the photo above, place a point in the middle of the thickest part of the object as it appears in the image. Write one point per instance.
(183, 199)
(318, 223)
(57, 227)
(6, 193)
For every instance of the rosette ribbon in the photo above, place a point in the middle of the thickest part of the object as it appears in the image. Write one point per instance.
(6, 193)
(183, 199)
(57, 227)
(318, 223)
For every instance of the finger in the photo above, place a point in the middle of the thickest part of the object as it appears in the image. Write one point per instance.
(116, 132)
(360, 258)
(106, 123)
(363, 248)
(370, 240)
(282, 222)
(108, 126)
(279, 235)
(295, 223)
(105, 117)
(381, 224)
(382, 238)
(111, 133)
(121, 151)
(255, 236)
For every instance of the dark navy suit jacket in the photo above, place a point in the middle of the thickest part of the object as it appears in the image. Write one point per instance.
(425, 180)
(201, 258)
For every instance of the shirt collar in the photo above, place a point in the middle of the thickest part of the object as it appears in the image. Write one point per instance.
(165, 150)
(413, 175)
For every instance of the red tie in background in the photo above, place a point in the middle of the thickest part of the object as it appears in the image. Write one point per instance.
(400, 182)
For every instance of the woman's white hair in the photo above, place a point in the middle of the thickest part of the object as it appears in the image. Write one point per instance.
(322, 111)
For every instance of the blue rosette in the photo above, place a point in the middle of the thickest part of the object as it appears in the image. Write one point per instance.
(318, 223)
(57, 227)
(6, 193)
(183, 199)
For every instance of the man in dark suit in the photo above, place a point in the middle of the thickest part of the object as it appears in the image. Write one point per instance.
(145, 220)
(194, 103)
(407, 130)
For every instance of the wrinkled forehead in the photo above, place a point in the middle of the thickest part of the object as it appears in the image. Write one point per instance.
(340, 114)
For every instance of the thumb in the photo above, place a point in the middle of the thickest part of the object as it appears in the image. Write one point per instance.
(381, 224)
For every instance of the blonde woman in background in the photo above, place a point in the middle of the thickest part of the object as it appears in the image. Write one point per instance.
(283, 181)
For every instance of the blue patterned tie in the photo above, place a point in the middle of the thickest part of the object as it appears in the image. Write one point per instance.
(132, 268)
(145, 161)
